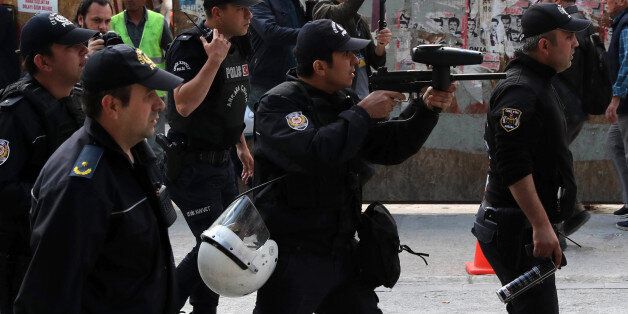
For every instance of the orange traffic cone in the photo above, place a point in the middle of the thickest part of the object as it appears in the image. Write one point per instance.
(480, 265)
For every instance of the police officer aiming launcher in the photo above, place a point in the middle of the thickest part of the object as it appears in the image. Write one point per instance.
(100, 217)
(314, 130)
(530, 184)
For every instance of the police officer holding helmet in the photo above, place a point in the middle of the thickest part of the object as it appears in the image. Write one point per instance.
(37, 113)
(531, 184)
(206, 117)
(314, 130)
(100, 215)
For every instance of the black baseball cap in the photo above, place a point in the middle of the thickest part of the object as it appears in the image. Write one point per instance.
(122, 65)
(245, 3)
(544, 17)
(320, 37)
(44, 29)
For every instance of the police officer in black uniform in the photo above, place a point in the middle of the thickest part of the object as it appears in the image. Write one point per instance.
(206, 117)
(37, 113)
(314, 130)
(530, 183)
(100, 215)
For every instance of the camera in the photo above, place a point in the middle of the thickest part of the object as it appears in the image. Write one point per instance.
(111, 38)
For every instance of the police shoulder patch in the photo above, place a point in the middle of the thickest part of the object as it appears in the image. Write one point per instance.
(5, 150)
(510, 119)
(297, 121)
(87, 161)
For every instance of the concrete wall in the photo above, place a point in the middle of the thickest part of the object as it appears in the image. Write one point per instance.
(452, 165)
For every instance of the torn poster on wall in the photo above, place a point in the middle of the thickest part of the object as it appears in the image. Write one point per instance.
(490, 26)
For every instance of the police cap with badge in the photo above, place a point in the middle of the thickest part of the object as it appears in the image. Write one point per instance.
(45, 29)
(122, 65)
(545, 17)
(320, 37)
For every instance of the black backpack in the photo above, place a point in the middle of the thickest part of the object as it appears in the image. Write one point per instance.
(597, 81)
(379, 248)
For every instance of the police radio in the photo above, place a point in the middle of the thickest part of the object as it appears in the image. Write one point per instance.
(208, 35)
(159, 195)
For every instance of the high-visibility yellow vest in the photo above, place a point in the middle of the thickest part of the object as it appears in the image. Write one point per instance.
(150, 43)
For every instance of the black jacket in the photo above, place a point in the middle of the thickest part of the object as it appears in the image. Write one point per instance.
(32, 125)
(273, 38)
(99, 244)
(526, 134)
(322, 141)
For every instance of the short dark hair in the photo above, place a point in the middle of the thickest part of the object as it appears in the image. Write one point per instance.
(92, 100)
(305, 63)
(85, 4)
(505, 17)
(531, 44)
(29, 61)
(455, 19)
(208, 8)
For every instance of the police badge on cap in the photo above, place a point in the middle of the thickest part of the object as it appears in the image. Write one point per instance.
(44, 29)
(122, 65)
(544, 17)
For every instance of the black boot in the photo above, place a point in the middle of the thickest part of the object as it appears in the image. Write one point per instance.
(577, 220)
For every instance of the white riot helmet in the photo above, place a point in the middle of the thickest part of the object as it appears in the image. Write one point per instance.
(237, 255)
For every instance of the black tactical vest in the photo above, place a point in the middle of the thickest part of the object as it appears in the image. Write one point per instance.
(48, 122)
(218, 122)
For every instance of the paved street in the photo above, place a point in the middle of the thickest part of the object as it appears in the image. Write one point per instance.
(595, 281)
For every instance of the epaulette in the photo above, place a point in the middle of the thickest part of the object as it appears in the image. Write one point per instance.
(10, 101)
(87, 161)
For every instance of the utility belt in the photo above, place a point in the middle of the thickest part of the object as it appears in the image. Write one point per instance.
(214, 158)
(179, 153)
(504, 215)
(489, 217)
(509, 232)
(489, 221)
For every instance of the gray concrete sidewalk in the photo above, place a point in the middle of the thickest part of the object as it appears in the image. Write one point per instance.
(595, 280)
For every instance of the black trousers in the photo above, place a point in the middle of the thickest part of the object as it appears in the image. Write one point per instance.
(503, 235)
(12, 271)
(305, 283)
(14, 259)
(202, 192)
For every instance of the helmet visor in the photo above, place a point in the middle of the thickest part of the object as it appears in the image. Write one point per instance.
(243, 219)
